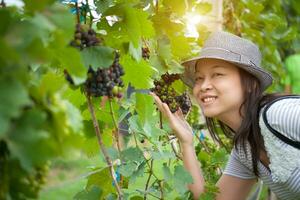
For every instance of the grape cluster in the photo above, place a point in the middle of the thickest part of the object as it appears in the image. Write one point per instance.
(36, 180)
(84, 37)
(145, 53)
(105, 82)
(168, 95)
(185, 102)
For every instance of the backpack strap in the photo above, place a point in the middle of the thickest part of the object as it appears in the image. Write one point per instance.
(280, 136)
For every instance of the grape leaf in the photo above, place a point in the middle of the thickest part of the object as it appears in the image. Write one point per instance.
(36, 5)
(102, 180)
(134, 70)
(181, 179)
(177, 6)
(98, 57)
(13, 97)
(93, 193)
(132, 154)
(203, 8)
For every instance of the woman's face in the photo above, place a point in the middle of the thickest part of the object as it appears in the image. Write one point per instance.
(218, 88)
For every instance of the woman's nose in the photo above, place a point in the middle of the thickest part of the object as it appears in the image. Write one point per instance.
(206, 85)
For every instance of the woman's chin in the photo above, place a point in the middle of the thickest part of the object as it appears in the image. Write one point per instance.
(209, 113)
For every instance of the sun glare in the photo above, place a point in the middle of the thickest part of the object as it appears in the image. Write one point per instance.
(192, 19)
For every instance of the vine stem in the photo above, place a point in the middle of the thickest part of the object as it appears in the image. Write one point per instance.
(77, 13)
(148, 180)
(102, 147)
(91, 16)
(116, 126)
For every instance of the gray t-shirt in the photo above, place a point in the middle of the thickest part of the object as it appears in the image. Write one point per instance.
(284, 116)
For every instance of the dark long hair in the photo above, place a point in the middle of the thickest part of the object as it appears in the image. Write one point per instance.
(249, 131)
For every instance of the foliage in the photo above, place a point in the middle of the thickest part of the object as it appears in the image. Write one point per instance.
(42, 116)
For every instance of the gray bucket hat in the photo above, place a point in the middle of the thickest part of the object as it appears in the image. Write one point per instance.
(231, 48)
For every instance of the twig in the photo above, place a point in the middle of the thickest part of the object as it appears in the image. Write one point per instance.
(116, 126)
(161, 189)
(102, 147)
(160, 120)
(77, 13)
(91, 16)
(148, 180)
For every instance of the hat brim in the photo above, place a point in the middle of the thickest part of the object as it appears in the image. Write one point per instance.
(239, 60)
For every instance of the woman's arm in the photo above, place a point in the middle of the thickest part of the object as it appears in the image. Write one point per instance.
(230, 187)
(234, 188)
(191, 164)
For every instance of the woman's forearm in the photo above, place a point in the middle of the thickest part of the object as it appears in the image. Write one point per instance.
(192, 165)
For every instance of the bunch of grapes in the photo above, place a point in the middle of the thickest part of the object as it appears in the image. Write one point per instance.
(145, 53)
(168, 95)
(105, 82)
(84, 37)
(185, 102)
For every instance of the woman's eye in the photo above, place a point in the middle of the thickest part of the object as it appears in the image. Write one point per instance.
(198, 78)
(217, 74)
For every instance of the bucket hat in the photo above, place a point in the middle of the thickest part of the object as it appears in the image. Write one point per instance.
(231, 48)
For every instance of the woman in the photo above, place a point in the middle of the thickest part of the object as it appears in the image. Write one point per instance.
(228, 84)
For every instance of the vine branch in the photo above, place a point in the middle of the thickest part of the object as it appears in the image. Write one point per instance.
(116, 126)
(148, 180)
(102, 147)
(77, 13)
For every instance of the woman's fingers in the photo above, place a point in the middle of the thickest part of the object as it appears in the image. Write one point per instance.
(163, 107)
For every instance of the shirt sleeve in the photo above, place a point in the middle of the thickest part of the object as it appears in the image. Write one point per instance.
(284, 117)
(236, 168)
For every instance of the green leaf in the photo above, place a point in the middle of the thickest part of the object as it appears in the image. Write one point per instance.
(29, 133)
(36, 5)
(137, 173)
(107, 137)
(93, 193)
(71, 59)
(127, 169)
(203, 156)
(103, 5)
(98, 57)
(203, 8)
(102, 180)
(132, 154)
(167, 173)
(74, 118)
(181, 179)
(137, 24)
(180, 46)
(133, 24)
(136, 53)
(164, 49)
(91, 147)
(135, 70)
(144, 107)
(6, 20)
(219, 157)
(177, 6)
(161, 155)
(62, 18)
(13, 97)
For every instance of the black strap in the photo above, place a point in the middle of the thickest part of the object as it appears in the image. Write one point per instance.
(280, 136)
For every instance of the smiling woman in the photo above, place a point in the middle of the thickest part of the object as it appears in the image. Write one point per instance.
(228, 83)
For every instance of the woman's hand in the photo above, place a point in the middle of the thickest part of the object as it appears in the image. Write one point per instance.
(177, 122)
